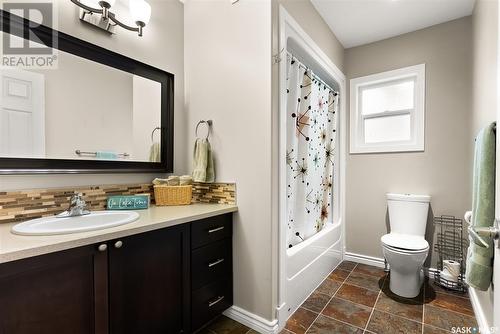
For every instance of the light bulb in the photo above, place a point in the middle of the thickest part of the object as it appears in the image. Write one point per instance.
(140, 11)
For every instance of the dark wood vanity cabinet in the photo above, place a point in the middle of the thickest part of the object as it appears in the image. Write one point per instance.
(53, 293)
(148, 281)
(171, 280)
(211, 269)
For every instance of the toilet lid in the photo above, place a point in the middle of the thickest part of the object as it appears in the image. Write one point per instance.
(405, 241)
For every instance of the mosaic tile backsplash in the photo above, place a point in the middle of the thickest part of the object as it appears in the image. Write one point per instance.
(22, 205)
(221, 193)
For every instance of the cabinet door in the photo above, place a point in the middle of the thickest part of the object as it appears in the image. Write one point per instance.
(55, 293)
(148, 277)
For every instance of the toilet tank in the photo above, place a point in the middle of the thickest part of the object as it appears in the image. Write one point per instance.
(408, 213)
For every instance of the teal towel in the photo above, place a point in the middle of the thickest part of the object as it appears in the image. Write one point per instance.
(479, 271)
(203, 165)
(106, 155)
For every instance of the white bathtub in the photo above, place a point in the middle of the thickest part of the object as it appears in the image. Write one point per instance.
(310, 262)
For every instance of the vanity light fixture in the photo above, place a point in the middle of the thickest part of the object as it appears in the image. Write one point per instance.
(98, 13)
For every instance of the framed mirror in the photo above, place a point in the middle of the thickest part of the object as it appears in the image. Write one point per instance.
(97, 111)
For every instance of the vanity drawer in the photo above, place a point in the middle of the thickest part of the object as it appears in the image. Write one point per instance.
(209, 230)
(210, 301)
(211, 262)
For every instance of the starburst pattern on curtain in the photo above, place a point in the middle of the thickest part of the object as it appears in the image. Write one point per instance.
(310, 154)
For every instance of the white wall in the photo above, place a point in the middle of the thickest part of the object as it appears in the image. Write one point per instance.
(161, 46)
(485, 20)
(485, 46)
(228, 80)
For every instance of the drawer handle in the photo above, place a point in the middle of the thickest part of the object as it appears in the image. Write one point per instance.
(216, 229)
(218, 300)
(210, 265)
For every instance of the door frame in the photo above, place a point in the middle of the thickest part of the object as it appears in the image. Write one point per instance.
(288, 27)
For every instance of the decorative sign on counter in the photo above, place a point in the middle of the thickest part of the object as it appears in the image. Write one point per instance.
(133, 202)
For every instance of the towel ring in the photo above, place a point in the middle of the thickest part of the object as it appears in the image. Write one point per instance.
(153, 133)
(209, 127)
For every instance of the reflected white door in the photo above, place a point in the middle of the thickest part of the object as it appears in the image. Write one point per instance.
(22, 114)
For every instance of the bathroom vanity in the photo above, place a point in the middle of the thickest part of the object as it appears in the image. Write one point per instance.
(168, 272)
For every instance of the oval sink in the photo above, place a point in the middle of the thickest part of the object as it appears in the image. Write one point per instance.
(96, 220)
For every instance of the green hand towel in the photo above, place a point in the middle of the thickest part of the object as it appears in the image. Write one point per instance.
(210, 176)
(154, 153)
(203, 163)
(479, 259)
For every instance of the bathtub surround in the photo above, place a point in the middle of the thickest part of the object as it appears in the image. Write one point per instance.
(443, 170)
(20, 205)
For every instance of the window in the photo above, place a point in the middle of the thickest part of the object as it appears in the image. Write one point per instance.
(387, 111)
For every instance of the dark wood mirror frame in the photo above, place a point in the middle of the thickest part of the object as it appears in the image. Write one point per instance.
(81, 48)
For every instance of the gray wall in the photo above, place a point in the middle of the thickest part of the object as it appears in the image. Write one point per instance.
(161, 46)
(443, 170)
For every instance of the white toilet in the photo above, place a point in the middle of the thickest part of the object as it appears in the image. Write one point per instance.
(405, 248)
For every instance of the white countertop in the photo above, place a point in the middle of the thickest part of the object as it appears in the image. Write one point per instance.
(14, 247)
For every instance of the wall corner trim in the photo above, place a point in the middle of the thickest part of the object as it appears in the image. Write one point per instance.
(251, 320)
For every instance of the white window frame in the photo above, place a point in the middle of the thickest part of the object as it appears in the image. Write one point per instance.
(417, 114)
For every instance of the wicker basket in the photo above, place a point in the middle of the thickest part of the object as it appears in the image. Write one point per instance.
(173, 195)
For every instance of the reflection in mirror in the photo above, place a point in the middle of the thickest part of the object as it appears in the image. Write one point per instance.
(79, 110)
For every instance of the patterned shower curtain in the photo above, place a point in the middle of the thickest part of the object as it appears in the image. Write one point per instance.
(311, 138)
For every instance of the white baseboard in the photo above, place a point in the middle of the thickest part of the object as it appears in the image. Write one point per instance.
(365, 259)
(378, 262)
(251, 320)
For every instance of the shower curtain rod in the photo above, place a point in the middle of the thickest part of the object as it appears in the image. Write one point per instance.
(301, 64)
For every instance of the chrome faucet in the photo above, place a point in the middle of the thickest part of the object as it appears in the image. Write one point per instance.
(77, 207)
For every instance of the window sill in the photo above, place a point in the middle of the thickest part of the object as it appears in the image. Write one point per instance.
(412, 148)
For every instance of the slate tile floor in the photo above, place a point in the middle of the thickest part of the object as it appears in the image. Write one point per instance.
(356, 299)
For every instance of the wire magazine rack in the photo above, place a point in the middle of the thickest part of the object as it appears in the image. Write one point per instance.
(450, 245)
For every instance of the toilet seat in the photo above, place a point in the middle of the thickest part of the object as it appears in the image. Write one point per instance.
(404, 243)
(404, 251)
